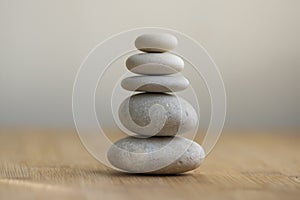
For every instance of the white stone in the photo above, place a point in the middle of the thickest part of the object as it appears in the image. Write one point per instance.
(154, 63)
(156, 155)
(172, 115)
(156, 42)
(155, 83)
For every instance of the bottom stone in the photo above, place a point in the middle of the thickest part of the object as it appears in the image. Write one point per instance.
(156, 155)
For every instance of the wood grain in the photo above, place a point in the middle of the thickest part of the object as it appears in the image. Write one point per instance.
(52, 164)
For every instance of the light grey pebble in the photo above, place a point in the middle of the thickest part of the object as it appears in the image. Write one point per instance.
(156, 155)
(156, 42)
(154, 63)
(179, 115)
(155, 83)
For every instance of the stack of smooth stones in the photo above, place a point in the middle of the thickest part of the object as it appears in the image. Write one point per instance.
(154, 114)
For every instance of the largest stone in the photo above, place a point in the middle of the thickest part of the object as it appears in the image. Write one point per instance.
(156, 155)
(180, 116)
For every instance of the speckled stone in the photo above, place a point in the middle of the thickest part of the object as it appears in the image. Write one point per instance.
(155, 83)
(154, 63)
(156, 155)
(156, 42)
(179, 115)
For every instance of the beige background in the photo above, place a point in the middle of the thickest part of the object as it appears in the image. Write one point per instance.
(255, 43)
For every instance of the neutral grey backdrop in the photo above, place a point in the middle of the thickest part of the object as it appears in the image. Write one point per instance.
(255, 43)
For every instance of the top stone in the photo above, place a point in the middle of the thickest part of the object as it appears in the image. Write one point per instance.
(156, 42)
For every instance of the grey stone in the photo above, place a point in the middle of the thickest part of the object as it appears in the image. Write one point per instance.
(156, 155)
(154, 63)
(156, 42)
(157, 114)
(155, 83)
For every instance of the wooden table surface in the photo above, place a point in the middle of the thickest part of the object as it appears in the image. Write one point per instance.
(52, 164)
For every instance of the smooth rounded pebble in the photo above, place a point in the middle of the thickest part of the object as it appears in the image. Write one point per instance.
(156, 42)
(180, 116)
(155, 83)
(156, 155)
(154, 63)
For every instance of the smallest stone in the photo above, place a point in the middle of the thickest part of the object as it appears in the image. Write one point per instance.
(156, 42)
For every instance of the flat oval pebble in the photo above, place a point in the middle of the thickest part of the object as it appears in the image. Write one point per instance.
(156, 155)
(154, 63)
(156, 42)
(155, 83)
(180, 115)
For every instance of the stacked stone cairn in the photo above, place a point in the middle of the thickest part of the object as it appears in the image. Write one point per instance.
(154, 114)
